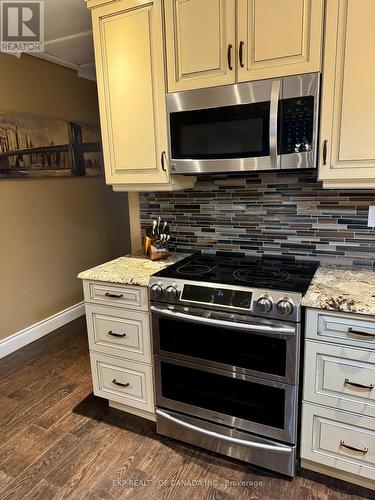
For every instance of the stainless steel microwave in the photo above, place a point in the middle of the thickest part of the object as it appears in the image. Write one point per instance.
(261, 125)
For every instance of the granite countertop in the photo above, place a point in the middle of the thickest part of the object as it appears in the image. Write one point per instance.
(129, 270)
(342, 288)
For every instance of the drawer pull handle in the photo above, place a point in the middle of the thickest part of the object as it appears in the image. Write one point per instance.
(114, 381)
(361, 334)
(353, 448)
(116, 334)
(360, 386)
(114, 295)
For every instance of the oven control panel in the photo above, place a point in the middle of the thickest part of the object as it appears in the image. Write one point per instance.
(265, 303)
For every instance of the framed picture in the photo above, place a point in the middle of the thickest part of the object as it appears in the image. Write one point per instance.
(35, 146)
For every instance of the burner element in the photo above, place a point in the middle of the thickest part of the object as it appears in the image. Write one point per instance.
(191, 268)
(265, 276)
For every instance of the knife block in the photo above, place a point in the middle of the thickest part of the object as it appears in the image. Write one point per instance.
(158, 253)
(153, 252)
(148, 243)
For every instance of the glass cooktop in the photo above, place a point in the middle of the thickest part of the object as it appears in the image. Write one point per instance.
(289, 276)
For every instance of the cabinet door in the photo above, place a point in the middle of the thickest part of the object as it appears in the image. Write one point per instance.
(200, 43)
(130, 74)
(347, 149)
(278, 37)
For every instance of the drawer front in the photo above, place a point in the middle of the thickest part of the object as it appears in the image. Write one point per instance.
(119, 332)
(348, 329)
(338, 439)
(340, 377)
(132, 297)
(122, 381)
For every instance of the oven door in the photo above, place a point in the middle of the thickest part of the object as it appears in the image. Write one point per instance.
(223, 129)
(245, 344)
(239, 401)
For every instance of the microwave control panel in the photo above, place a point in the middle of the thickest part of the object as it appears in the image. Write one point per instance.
(297, 122)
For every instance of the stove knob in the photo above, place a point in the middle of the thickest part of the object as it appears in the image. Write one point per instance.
(285, 307)
(171, 292)
(156, 291)
(264, 304)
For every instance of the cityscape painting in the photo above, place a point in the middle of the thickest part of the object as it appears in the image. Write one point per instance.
(35, 146)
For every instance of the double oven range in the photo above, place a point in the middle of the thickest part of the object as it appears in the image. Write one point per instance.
(227, 341)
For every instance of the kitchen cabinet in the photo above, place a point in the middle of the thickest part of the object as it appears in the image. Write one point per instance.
(273, 38)
(278, 38)
(129, 57)
(200, 43)
(119, 334)
(338, 410)
(347, 145)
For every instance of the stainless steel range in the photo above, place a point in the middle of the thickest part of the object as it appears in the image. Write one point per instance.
(227, 336)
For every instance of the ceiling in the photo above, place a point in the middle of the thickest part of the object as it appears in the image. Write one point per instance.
(68, 36)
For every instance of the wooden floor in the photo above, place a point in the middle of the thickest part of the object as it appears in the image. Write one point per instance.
(59, 441)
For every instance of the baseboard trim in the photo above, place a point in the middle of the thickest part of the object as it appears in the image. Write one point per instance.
(38, 330)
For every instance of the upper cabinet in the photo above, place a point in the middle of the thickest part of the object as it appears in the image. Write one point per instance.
(278, 37)
(129, 56)
(273, 38)
(200, 43)
(347, 135)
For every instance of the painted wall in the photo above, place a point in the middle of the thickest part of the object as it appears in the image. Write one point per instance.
(284, 213)
(50, 229)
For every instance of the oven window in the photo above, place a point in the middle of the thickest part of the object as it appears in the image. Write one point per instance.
(217, 133)
(261, 353)
(250, 401)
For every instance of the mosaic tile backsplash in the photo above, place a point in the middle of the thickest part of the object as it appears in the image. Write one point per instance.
(285, 214)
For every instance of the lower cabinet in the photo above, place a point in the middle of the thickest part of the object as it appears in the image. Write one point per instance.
(338, 409)
(119, 337)
(122, 381)
(339, 439)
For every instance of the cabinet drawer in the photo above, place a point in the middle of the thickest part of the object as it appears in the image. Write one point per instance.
(132, 297)
(349, 329)
(338, 439)
(340, 377)
(122, 381)
(120, 332)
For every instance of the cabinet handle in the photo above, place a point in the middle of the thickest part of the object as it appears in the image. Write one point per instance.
(354, 448)
(116, 334)
(230, 46)
(114, 381)
(240, 53)
(359, 333)
(114, 295)
(360, 386)
(325, 146)
(162, 161)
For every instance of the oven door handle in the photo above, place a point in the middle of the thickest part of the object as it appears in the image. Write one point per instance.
(284, 330)
(242, 442)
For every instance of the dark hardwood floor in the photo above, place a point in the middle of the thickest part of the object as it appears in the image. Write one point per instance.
(59, 441)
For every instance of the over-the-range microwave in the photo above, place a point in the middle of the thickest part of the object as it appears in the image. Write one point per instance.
(260, 125)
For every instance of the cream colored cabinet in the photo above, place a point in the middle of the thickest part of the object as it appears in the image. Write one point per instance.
(129, 57)
(338, 407)
(200, 43)
(347, 135)
(119, 334)
(273, 38)
(278, 37)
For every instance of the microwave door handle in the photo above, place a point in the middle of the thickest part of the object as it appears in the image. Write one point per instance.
(274, 109)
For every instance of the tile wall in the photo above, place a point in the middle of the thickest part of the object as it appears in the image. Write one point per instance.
(285, 214)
